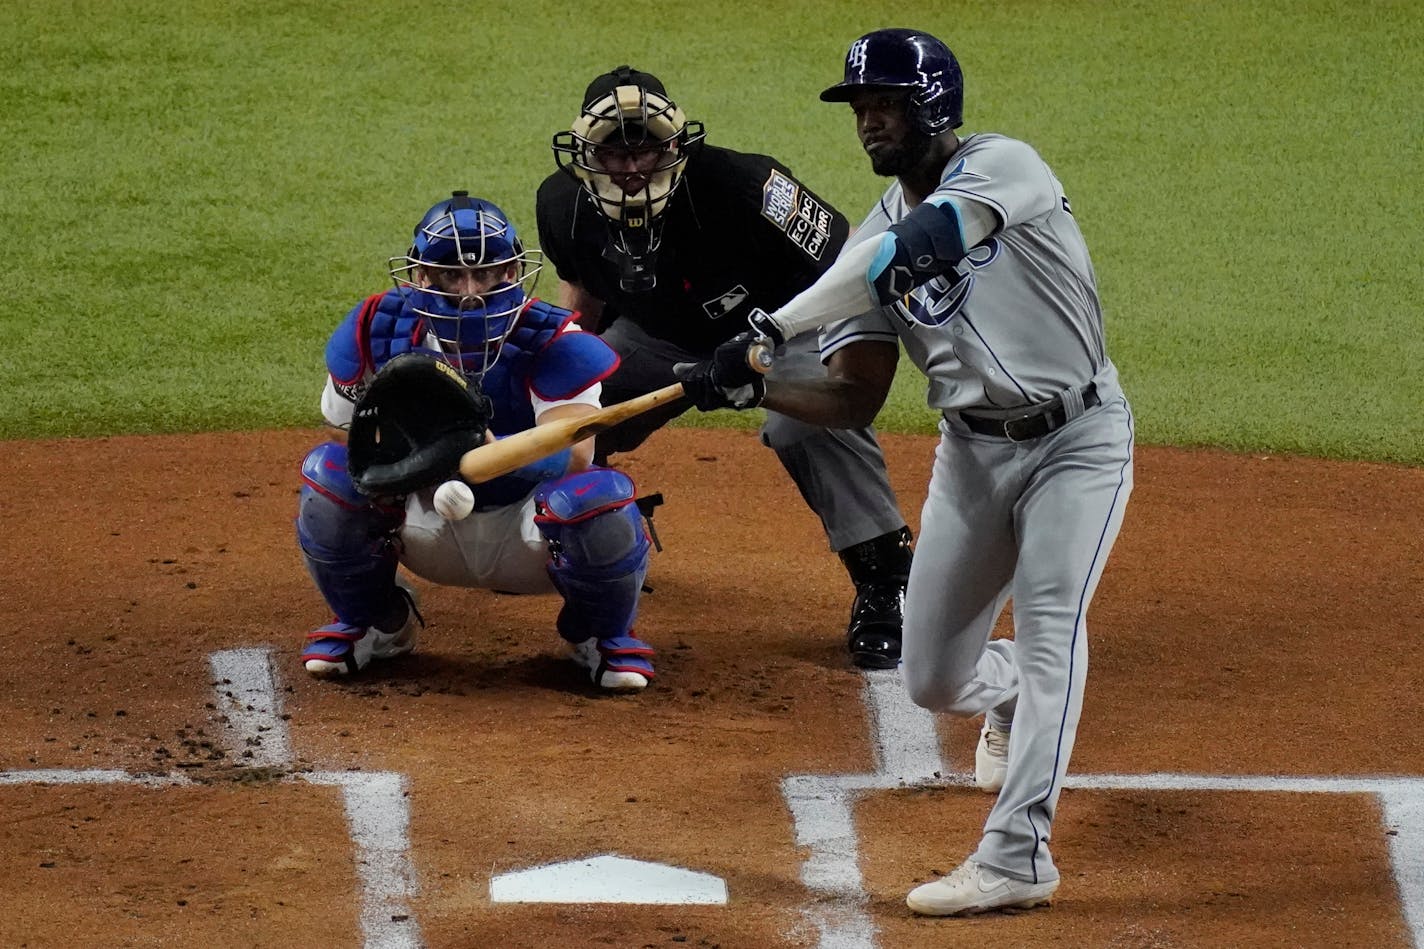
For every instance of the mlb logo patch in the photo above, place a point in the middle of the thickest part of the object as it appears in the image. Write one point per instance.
(726, 303)
(778, 199)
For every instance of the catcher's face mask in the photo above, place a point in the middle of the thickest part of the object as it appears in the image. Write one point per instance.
(629, 148)
(469, 275)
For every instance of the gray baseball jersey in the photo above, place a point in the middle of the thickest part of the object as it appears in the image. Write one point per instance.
(1018, 320)
(1016, 325)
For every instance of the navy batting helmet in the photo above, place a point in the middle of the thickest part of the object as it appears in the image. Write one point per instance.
(909, 60)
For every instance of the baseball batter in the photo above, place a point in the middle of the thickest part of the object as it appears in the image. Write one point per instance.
(555, 524)
(973, 261)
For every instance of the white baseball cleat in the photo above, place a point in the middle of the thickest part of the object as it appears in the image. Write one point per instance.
(974, 888)
(991, 758)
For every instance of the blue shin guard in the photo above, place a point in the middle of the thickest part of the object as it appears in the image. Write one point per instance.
(348, 542)
(598, 548)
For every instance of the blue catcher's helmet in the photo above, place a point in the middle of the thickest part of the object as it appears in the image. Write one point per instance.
(467, 273)
(912, 61)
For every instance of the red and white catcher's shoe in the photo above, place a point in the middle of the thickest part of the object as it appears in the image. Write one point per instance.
(339, 649)
(618, 664)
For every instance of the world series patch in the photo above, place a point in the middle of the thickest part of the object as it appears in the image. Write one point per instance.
(778, 199)
(806, 221)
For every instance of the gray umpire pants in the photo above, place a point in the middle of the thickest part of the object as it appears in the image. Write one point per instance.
(839, 472)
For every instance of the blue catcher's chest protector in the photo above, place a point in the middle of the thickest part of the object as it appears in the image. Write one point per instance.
(538, 358)
(376, 330)
(535, 357)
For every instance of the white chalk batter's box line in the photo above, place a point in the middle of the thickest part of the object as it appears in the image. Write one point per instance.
(377, 811)
(907, 755)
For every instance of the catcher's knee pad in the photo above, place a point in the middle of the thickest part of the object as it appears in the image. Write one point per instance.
(598, 551)
(347, 541)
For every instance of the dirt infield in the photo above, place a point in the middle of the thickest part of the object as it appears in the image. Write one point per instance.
(1261, 617)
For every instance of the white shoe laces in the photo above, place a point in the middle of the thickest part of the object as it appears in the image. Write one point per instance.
(996, 741)
(961, 874)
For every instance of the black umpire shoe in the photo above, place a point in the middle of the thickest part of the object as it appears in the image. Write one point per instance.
(879, 568)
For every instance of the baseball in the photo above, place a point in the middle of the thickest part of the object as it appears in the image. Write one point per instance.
(454, 500)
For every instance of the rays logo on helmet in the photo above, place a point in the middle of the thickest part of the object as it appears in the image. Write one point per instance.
(910, 61)
(855, 57)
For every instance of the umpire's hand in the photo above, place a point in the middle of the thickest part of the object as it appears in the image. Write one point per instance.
(727, 380)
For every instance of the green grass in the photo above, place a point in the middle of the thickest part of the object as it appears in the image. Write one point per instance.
(194, 194)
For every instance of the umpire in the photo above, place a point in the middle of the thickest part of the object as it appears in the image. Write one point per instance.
(664, 244)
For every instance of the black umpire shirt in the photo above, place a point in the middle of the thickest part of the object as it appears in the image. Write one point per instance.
(739, 232)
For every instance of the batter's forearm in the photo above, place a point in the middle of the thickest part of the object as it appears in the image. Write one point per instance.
(841, 292)
(829, 403)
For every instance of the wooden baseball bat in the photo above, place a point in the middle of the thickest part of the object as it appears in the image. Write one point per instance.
(759, 355)
(493, 459)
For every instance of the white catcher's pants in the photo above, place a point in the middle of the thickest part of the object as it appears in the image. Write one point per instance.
(500, 549)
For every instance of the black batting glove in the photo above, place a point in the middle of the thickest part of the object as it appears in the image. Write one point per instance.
(727, 380)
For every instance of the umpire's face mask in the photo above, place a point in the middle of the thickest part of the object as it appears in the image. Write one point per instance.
(628, 148)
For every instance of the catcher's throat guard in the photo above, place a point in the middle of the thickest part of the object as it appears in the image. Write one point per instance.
(412, 425)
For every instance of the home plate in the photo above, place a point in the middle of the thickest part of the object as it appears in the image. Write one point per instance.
(608, 879)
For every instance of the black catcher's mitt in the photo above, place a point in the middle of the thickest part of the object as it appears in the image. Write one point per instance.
(412, 425)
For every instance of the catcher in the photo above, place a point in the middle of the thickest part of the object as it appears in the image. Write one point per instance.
(455, 354)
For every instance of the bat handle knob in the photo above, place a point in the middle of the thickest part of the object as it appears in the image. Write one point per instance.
(759, 356)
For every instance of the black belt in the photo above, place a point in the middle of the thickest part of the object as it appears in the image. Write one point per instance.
(1036, 422)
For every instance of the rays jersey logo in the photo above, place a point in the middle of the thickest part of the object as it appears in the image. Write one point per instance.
(943, 298)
